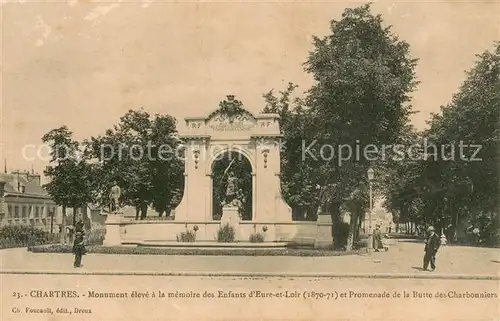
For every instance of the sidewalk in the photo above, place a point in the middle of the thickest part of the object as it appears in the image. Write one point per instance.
(401, 261)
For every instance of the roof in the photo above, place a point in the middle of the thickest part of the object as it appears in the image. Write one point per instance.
(30, 183)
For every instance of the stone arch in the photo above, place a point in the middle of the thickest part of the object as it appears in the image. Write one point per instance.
(243, 151)
(231, 128)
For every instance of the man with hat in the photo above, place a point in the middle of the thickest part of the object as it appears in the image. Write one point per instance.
(78, 249)
(432, 244)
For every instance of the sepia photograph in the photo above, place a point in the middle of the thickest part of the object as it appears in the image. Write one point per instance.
(250, 160)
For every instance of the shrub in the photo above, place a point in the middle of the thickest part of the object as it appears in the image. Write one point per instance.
(256, 238)
(188, 236)
(96, 235)
(127, 250)
(226, 234)
(22, 235)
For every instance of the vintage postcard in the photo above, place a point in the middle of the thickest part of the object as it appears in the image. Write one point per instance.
(250, 160)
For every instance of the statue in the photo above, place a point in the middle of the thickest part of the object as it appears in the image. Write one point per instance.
(114, 196)
(231, 190)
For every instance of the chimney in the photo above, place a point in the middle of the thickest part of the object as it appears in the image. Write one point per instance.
(35, 178)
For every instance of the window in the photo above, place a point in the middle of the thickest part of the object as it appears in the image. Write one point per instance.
(10, 210)
(24, 210)
(16, 211)
(37, 209)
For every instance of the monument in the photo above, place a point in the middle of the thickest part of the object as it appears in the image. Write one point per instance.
(114, 196)
(114, 218)
(228, 130)
(231, 128)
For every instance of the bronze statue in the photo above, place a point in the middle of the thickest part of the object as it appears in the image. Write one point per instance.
(114, 196)
(231, 189)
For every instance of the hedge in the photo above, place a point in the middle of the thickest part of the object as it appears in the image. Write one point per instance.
(23, 235)
(137, 250)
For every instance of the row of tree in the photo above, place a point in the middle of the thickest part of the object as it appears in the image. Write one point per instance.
(453, 188)
(364, 76)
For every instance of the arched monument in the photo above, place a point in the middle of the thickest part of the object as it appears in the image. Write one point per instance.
(231, 128)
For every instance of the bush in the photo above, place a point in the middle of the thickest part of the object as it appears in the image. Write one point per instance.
(137, 250)
(226, 234)
(256, 238)
(22, 235)
(188, 236)
(96, 235)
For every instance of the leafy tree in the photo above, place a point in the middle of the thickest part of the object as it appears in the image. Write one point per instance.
(68, 174)
(363, 79)
(141, 154)
(299, 180)
(448, 188)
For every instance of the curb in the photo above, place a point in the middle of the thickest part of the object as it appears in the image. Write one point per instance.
(264, 274)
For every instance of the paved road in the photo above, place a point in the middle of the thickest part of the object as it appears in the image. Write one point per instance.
(292, 298)
(404, 258)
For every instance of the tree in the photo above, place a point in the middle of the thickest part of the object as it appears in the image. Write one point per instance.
(141, 154)
(68, 174)
(299, 181)
(470, 185)
(363, 79)
(451, 185)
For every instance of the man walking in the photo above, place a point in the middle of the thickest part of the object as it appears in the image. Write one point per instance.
(432, 244)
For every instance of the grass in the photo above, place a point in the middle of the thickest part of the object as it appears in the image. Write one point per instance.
(133, 250)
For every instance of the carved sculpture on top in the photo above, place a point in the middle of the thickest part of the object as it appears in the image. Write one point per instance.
(231, 107)
(114, 196)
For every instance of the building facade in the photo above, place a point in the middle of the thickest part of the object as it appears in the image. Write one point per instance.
(25, 202)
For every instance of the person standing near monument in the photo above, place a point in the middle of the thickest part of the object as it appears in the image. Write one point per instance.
(78, 249)
(432, 244)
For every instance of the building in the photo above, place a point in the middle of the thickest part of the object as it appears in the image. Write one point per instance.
(25, 202)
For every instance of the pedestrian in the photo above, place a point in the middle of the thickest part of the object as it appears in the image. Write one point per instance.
(78, 249)
(79, 226)
(432, 244)
(475, 236)
(377, 239)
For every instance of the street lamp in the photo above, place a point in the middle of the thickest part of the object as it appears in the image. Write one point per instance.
(371, 174)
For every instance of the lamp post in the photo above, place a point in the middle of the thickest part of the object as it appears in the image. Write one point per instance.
(51, 214)
(2, 199)
(370, 232)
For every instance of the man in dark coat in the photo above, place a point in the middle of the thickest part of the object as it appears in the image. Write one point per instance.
(432, 244)
(78, 249)
(377, 239)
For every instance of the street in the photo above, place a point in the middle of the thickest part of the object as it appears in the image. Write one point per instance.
(403, 258)
(379, 286)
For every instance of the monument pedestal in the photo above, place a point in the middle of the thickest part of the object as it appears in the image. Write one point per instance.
(324, 233)
(231, 216)
(113, 236)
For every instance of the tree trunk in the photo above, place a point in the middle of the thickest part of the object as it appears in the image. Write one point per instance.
(352, 229)
(63, 225)
(358, 226)
(137, 211)
(454, 225)
(334, 210)
(144, 211)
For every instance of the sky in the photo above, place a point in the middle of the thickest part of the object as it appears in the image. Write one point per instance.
(85, 63)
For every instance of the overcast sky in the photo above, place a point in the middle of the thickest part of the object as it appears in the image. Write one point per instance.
(85, 63)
